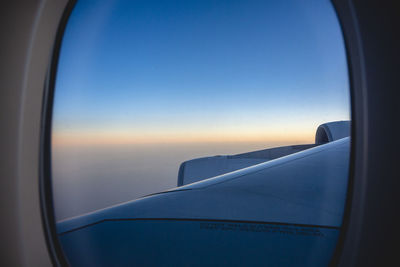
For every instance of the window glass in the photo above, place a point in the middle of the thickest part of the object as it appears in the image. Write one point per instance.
(239, 108)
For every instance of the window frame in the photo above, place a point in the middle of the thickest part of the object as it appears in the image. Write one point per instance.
(349, 249)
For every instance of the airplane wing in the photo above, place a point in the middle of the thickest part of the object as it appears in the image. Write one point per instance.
(285, 211)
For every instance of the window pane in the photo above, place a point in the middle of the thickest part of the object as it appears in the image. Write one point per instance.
(233, 116)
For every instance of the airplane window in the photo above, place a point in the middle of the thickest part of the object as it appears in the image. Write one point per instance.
(200, 133)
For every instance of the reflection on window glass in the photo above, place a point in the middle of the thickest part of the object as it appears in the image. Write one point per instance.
(217, 124)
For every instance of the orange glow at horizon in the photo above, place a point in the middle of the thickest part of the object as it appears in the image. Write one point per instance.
(120, 138)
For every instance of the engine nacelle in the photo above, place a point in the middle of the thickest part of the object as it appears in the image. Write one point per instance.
(332, 131)
(203, 168)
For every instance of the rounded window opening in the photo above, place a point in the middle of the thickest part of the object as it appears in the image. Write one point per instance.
(183, 131)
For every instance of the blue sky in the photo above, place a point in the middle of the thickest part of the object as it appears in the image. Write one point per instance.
(200, 70)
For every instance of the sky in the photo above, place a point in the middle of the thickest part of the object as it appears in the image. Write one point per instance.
(146, 72)
(143, 86)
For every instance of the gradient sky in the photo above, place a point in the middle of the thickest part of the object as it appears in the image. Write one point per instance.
(199, 71)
